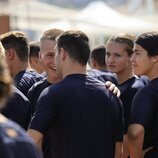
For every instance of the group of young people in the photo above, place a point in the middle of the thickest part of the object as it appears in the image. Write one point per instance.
(71, 113)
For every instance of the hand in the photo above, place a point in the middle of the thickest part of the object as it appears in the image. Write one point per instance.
(113, 88)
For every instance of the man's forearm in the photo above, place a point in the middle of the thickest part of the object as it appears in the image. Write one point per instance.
(118, 150)
(36, 136)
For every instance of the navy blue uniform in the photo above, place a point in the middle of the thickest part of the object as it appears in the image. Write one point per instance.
(145, 113)
(25, 79)
(103, 75)
(79, 118)
(128, 90)
(18, 108)
(14, 143)
(35, 91)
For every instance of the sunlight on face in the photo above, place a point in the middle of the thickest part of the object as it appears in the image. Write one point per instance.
(142, 63)
(117, 58)
(47, 55)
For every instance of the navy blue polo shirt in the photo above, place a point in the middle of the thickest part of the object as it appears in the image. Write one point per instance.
(14, 143)
(145, 112)
(25, 79)
(78, 118)
(18, 108)
(103, 75)
(128, 90)
(35, 91)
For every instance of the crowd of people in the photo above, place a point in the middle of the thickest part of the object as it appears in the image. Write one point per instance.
(60, 99)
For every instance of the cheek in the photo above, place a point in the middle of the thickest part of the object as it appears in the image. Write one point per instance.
(107, 60)
(121, 61)
(45, 62)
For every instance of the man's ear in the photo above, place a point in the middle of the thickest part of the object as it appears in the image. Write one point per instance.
(40, 56)
(93, 63)
(63, 54)
(10, 53)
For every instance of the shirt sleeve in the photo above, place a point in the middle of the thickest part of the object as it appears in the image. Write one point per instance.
(45, 112)
(142, 108)
(118, 119)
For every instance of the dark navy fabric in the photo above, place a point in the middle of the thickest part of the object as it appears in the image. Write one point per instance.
(128, 90)
(78, 118)
(25, 79)
(103, 75)
(35, 91)
(14, 143)
(152, 153)
(18, 108)
(145, 113)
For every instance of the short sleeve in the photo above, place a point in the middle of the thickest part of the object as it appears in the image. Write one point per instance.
(45, 112)
(142, 108)
(118, 119)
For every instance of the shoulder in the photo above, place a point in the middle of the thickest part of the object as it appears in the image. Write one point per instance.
(132, 85)
(18, 94)
(102, 76)
(138, 83)
(28, 76)
(32, 75)
(147, 96)
(14, 141)
(150, 90)
(37, 84)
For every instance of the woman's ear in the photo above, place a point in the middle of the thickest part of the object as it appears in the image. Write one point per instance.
(155, 58)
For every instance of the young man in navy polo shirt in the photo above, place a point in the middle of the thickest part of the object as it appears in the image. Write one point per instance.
(13, 140)
(77, 117)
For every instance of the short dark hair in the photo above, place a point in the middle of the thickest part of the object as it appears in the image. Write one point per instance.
(76, 43)
(98, 54)
(18, 41)
(51, 34)
(149, 41)
(126, 39)
(34, 49)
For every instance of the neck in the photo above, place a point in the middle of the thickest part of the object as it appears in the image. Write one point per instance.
(20, 67)
(74, 69)
(101, 68)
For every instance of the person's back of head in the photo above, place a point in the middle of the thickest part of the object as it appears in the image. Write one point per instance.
(149, 41)
(34, 59)
(34, 49)
(76, 44)
(18, 41)
(17, 142)
(97, 58)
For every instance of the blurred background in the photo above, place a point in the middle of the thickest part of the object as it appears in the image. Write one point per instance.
(99, 19)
